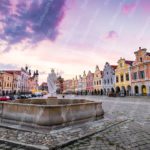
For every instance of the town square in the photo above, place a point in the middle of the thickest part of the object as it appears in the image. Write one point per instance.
(74, 75)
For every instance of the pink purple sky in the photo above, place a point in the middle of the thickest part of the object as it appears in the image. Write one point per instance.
(71, 35)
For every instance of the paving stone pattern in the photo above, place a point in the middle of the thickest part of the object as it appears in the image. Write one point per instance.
(127, 136)
(126, 126)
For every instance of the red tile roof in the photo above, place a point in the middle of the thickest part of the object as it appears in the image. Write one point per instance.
(13, 71)
(148, 54)
(129, 62)
(113, 66)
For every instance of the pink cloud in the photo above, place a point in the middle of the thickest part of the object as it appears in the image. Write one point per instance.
(128, 8)
(145, 6)
(111, 35)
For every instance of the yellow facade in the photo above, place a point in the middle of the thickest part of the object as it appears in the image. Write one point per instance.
(123, 78)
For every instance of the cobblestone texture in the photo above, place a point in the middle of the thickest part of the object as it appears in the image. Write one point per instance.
(127, 136)
(114, 134)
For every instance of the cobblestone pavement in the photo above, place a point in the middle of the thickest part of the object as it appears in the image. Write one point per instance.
(125, 126)
(137, 108)
(127, 136)
(57, 137)
(133, 135)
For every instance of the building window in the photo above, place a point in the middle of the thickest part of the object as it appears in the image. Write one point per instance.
(8, 78)
(111, 81)
(0, 84)
(141, 75)
(121, 78)
(104, 81)
(100, 82)
(127, 77)
(108, 81)
(97, 82)
(121, 65)
(117, 79)
(135, 75)
(141, 59)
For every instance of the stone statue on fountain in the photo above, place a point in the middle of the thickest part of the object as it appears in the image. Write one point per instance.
(51, 82)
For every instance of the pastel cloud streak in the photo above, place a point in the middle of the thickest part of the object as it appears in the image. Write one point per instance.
(33, 20)
(128, 8)
(146, 5)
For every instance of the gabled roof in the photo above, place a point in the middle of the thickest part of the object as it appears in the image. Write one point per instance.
(129, 62)
(102, 73)
(13, 71)
(148, 54)
(44, 84)
(114, 66)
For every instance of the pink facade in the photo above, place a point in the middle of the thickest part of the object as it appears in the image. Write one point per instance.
(89, 82)
(67, 86)
(140, 73)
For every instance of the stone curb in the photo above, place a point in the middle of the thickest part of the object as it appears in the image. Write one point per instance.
(61, 145)
(33, 147)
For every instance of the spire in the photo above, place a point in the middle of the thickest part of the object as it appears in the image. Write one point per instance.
(26, 67)
(37, 73)
(29, 72)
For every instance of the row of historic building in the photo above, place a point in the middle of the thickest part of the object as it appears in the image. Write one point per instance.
(127, 77)
(18, 81)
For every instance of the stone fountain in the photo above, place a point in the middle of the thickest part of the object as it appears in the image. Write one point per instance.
(50, 112)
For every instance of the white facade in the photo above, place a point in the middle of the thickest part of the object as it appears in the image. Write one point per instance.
(108, 78)
(79, 85)
(84, 82)
(24, 86)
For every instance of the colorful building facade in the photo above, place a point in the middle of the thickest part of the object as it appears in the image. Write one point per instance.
(76, 84)
(6, 83)
(79, 85)
(1, 82)
(18, 81)
(140, 72)
(109, 78)
(123, 77)
(84, 83)
(89, 82)
(97, 81)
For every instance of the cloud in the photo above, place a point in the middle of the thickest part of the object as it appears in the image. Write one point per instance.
(35, 20)
(128, 8)
(8, 66)
(145, 4)
(111, 35)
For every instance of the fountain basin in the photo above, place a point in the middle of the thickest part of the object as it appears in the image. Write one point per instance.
(50, 112)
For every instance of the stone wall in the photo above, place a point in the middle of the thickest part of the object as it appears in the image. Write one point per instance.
(39, 113)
